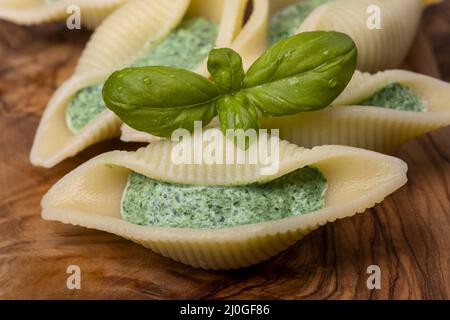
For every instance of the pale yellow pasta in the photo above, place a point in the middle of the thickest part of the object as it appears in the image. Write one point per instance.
(129, 134)
(252, 41)
(369, 127)
(28, 12)
(90, 196)
(121, 38)
(379, 49)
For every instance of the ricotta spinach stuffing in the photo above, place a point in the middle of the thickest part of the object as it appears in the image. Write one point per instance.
(149, 202)
(395, 96)
(186, 47)
(286, 22)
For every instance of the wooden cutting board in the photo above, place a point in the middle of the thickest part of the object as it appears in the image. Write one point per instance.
(407, 235)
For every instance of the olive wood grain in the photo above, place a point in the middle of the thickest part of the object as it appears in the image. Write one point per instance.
(407, 235)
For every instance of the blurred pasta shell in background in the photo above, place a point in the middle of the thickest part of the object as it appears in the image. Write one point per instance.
(379, 49)
(376, 128)
(29, 12)
(118, 41)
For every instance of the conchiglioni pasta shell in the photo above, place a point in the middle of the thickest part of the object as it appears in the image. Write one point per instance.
(378, 49)
(28, 12)
(118, 41)
(129, 134)
(252, 41)
(90, 196)
(375, 128)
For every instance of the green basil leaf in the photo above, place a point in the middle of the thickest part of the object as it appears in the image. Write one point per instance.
(159, 100)
(304, 72)
(225, 67)
(237, 115)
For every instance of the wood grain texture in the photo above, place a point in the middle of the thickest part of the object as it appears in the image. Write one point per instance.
(407, 235)
(436, 23)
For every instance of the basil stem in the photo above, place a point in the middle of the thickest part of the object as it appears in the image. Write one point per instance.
(237, 115)
(159, 100)
(225, 67)
(236, 112)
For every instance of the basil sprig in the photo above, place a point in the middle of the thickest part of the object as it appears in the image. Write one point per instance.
(304, 72)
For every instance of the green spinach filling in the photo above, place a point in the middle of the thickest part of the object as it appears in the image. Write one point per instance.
(395, 96)
(149, 202)
(186, 47)
(85, 106)
(286, 22)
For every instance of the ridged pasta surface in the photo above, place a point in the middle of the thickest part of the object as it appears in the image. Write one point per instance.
(28, 12)
(373, 128)
(128, 32)
(378, 49)
(90, 197)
